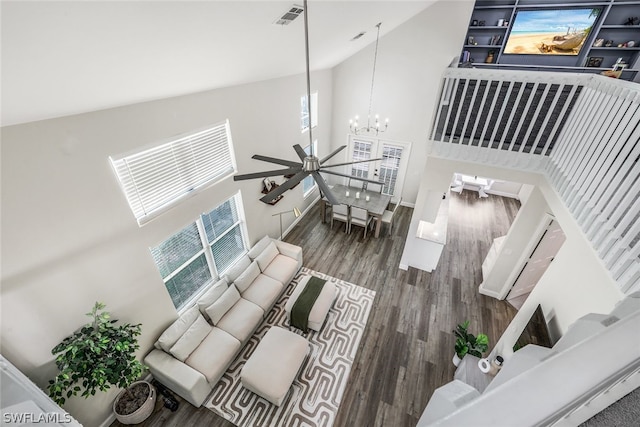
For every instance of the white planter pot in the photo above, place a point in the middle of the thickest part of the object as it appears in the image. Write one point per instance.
(456, 360)
(143, 412)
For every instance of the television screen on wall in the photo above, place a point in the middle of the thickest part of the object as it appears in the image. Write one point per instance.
(550, 32)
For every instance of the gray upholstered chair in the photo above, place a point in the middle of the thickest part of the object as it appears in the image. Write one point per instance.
(340, 213)
(373, 187)
(387, 216)
(361, 218)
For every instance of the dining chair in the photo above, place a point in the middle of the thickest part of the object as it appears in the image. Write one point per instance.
(373, 187)
(356, 183)
(361, 218)
(340, 213)
(387, 216)
(327, 206)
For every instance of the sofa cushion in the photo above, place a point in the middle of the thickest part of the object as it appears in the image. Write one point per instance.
(219, 308)
(264, 292)
(282, 268)
(265, 258)
(214, 354)
(238, 268)
(259, 247)
(246, 279)
(242, 319)
(212, 295)
(191, 339)
(177, 329)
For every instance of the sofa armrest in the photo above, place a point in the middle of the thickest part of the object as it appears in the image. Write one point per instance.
(292, 251)
(188, 383)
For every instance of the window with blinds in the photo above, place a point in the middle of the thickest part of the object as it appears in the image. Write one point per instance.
(304, 112)
(156, 178)
(203, 250)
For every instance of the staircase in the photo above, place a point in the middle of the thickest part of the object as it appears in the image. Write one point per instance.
(595, 363)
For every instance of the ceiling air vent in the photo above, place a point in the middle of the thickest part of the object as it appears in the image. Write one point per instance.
(290, 15)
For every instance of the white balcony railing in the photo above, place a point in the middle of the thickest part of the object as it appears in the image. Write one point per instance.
(581, 130)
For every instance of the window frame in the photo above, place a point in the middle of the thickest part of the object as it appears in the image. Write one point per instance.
(208, 252)
(304, 114)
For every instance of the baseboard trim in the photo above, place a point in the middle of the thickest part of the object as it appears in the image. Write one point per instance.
(503, 194)
(489, 292)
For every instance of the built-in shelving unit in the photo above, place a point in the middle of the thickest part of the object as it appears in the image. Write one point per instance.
(485, 36)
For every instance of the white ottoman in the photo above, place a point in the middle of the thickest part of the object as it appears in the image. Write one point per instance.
(274, 364)
(321, 307)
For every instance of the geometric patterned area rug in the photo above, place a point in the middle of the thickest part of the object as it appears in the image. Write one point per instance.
(314, 398)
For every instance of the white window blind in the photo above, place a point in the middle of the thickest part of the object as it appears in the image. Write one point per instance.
(156, 178)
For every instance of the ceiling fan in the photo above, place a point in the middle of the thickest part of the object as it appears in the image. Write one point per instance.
(309, 165)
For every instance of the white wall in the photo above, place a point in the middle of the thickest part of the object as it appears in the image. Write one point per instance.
(411, 59)
(69, 238)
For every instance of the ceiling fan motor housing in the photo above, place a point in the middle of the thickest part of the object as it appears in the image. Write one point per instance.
(310, 164)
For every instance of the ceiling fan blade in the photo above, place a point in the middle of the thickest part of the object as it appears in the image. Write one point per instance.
(325, 188)
(276, 161)
(300, 151)
(287, 185)
(277, 172)
(333, 154)
(351, 163)
(351, 176)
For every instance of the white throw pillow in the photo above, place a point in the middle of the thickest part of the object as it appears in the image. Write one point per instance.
(219, 308)
(177, 329)
(246, 279)
(265, 258)
(212, 296)
(191, 339)
(259, 247)
(238, 268)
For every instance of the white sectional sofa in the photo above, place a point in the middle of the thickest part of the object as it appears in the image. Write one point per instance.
(193, 353)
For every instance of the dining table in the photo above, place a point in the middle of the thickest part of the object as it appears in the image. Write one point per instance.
(375, 203)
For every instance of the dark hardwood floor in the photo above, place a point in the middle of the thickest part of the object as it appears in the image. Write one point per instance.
(406, 351)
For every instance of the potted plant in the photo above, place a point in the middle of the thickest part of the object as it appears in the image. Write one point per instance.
(468, 343)
(100, 355)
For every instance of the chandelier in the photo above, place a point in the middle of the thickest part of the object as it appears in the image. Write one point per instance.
(376, 125)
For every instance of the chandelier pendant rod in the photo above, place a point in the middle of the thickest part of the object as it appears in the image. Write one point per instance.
(306, 41)
(373, 76)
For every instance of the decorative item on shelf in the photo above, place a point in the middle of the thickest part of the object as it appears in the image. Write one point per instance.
(500, 22)
(496, 365)
(375, 127)
(617, 69)
(474, 23)
(267, 187)
(632, 20)
(100, 355)
(598, 43)
(490, 57)
(296, 212)
(630, 43)
(471, 41)
(495, 40)
(505, 23)
(466, 56)
(484, 365)
(481, 23)
(467, 343)
(594, 61)
(608, 43)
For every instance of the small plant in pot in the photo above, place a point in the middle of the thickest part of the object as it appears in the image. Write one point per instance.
(100, 355)
(467, 343)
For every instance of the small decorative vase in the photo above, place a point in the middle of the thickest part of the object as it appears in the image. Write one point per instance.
(456, 360)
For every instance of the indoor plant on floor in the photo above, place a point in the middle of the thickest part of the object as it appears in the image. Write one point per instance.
(468, 343)
(99, 355)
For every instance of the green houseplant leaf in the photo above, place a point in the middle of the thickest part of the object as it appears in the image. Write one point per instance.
(95, 357)
(467, 343)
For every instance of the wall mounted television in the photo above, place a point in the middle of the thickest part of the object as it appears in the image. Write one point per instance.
(550, 31)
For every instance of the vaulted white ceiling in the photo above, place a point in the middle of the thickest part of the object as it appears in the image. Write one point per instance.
(61, 58)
